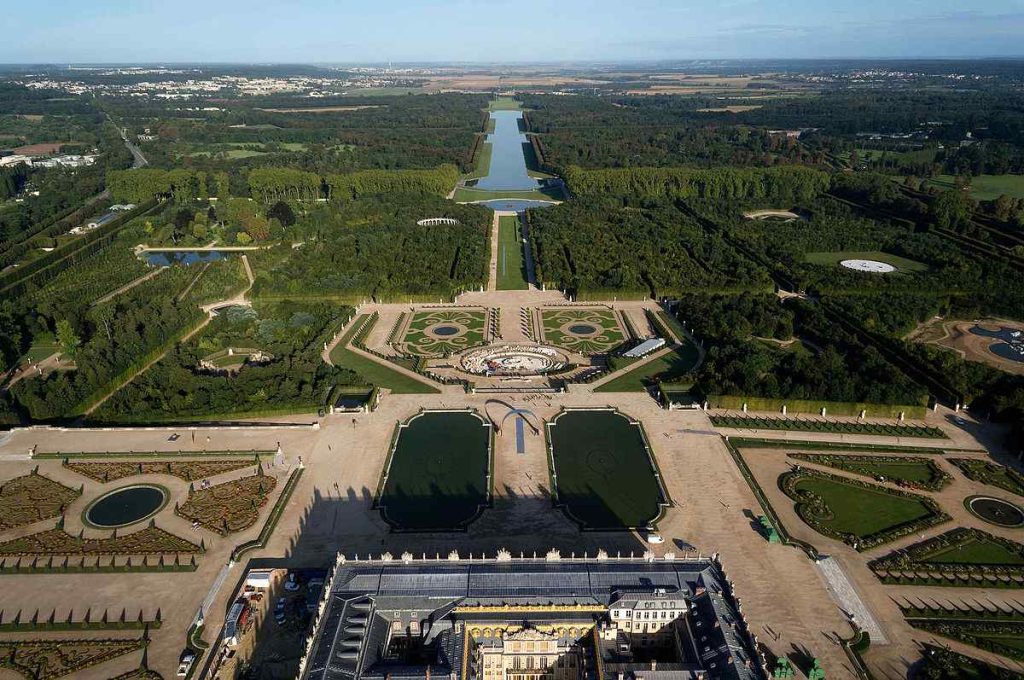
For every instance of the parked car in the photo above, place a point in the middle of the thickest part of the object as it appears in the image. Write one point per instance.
(185, 661)
(292, 584)
(655, 539)
(174, 437)
(279, 610)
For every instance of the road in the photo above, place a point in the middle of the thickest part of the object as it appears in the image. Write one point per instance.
(138, 160)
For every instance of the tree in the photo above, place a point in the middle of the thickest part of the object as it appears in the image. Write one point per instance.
(67, 338)
(283, 212)
(952, 209)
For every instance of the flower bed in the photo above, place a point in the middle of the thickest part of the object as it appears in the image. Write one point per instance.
(909, 472)
(188, 470)
(44, 659)
(228, 507)
(961, 556)
(834, 507)
(149, 541)
(999, 637)
(993, 474)
(31, 498)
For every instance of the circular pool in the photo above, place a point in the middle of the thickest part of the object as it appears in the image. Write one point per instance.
(445, 331)
(870, 266)
(124, 506)
(582, 329)
(995, 511)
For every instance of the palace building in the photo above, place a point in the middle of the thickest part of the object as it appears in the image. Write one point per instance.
(545, 618)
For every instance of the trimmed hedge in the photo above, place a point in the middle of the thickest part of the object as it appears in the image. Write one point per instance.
(839, 427)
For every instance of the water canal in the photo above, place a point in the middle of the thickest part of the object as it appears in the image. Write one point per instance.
(508, 171)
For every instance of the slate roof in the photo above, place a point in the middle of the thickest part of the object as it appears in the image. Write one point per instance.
(352, 634)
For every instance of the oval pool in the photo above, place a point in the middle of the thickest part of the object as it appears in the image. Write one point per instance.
(124, 506)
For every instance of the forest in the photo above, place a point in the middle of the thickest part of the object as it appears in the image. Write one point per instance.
(824, 363)
(372, 247)
(656, 251)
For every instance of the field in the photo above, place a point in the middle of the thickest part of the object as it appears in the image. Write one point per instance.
(602, 471)
(901, 263)
(438, 474)
(986, 187)
(444, 332)
(511, 266)
(587, 331)
(44, 149)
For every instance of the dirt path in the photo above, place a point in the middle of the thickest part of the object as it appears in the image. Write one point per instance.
(128, 286)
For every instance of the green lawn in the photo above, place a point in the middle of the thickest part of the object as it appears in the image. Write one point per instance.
(604, 476)
(859, 510)
(373, 372)
(43, 345)
(901, 263)
(503, 104)
(975, 551)
(482, 162)
(667, 368)
(468, 194)
(511, 265)
(437, 478)
(986, 187)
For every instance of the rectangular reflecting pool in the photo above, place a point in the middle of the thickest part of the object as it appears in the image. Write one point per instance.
(508, 160)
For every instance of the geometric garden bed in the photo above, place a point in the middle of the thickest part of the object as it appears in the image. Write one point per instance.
(860, 514)
(229, 507)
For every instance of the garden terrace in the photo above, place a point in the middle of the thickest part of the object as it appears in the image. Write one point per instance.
(959, 557)
(149, 541)
(188, 470)
(443, 332)
(992, 474)
(603, 472)
(584, 331)
(30, 498)
(438, 474)
(915, 473)
(833, 506)
(49, 659)
(839, 427)
(228, 507)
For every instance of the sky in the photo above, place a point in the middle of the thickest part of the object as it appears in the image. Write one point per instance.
(366, 31)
